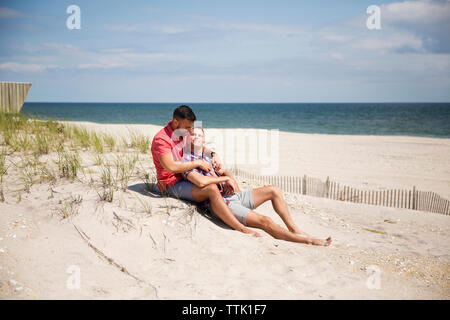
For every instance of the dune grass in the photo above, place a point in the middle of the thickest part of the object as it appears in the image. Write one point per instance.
(97, 142)
(109, 141)
(145, 205)
(49, 150)
(3, 166)
(139, 141)
(70, 206)
(108, 184)
(3, 171)
(69, 162)
(125, 166)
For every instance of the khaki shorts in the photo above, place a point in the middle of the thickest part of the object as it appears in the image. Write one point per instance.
(241, 204)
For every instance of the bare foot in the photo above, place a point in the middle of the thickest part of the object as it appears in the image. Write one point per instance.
(319, 242)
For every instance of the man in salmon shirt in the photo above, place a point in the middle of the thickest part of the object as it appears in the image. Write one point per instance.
(167, 151)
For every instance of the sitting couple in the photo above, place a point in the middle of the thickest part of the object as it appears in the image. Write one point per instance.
(197, 176)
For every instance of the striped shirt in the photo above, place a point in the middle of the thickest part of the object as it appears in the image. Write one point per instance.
(192, 157)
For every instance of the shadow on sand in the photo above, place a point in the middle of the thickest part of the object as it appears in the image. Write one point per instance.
(152, 190)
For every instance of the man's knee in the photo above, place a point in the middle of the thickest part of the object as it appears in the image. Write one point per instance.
(205, 193)
(208, 188)
(211, 188)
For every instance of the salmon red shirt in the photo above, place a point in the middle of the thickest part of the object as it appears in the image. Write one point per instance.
(164, 142)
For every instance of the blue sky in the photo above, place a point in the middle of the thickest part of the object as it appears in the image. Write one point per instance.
(228, 51)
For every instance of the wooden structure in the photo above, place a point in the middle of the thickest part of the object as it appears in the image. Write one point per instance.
(408, 199)
(13, 95)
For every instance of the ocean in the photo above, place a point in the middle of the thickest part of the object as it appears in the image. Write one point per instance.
(410, 119)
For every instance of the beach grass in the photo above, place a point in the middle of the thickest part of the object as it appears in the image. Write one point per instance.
(47, 174)
(109, 141)
(108, 184)
(125, 166)
(69, 162)
(145, 205)
(42, 143)
(3, 166)
(70, 207)
(97, 142)
(98, 160)
(46, 150)
(139, 141)
(81, 136)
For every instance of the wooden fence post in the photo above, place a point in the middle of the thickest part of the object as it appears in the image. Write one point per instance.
(433, 205)
(409, 199)
(440, 205)
(401, 198)
(431, 201)
(390, 198)
(394, 201)
(386, 198)
(304, 185)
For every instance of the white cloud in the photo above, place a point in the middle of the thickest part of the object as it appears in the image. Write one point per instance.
(224, 26)
(172, 29)
(121, 27)
(25, 68)
(336, 55)
(265, 28)
(70, 56)
(390, 42)
(417, 12)
(165, 29)
(421, 26)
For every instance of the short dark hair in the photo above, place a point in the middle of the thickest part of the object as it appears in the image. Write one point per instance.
(184, 112)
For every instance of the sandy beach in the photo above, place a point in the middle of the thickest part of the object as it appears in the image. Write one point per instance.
(143, 246)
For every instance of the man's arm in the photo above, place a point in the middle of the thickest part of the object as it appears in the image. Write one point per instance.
(232, 182)
(200, 180)
(172, 166)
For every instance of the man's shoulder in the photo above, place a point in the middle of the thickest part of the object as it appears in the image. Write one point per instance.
(161, 136)
(160, 133)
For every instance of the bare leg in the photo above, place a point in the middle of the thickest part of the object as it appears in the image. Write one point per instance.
(273, 193)
(211, 193)
(255, 220)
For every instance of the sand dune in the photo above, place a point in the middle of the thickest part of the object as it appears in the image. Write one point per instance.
(142, 246)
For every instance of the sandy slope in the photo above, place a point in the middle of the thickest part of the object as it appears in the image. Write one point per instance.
(175, 252)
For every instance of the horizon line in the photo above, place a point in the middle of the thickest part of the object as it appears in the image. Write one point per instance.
(188, 102)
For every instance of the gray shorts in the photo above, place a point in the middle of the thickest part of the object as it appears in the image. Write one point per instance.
(241, 204)
(182, 189)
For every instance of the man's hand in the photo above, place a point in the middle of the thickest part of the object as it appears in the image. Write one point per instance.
(202, 164)
(230, 187)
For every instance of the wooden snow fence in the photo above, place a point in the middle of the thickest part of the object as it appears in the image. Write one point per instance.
(398, 198)
(13, 95)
